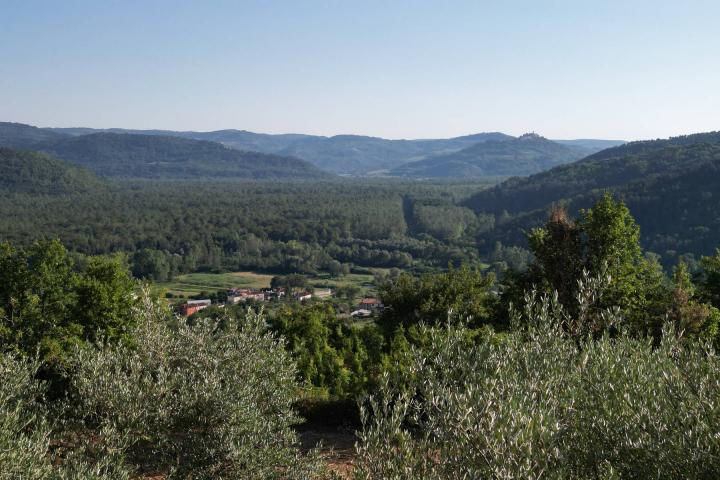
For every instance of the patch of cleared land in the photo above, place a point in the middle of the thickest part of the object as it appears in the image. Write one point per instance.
(191, 284)
(195, 283)
(362, 281)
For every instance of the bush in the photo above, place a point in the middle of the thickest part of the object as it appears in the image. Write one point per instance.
(193, 401)
(25, 433)
(539, 403)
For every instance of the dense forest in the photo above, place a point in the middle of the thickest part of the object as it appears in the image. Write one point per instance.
(36, 173)
(144, 156)
(206, 225)
(278, 227)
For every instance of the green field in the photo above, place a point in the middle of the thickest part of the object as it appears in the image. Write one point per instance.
(195, 283)
(191, 284)
(326, 281)
(365, 282)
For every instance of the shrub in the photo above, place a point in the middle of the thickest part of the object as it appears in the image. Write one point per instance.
(23, 430)
(540, 403)
(193, 401)
(25, 433)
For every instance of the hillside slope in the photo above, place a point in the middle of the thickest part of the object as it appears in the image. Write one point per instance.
(671, 186)
(144, 156)
(609, 168)
(524, 155)
(37, 173)
(21, 136)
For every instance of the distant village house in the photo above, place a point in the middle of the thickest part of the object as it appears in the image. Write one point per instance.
(237, 295)
(370, 303)
(193, 306)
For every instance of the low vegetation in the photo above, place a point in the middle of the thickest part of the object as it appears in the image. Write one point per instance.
(182, 401)
(540, 404)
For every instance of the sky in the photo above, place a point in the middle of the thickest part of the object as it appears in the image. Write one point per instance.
(396, 69)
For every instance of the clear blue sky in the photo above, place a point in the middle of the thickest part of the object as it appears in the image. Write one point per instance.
(399, 69)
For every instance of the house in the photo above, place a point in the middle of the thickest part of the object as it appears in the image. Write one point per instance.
(237, 295)
(273, 293)
(370, 303)
(193, 306)
(303, 296)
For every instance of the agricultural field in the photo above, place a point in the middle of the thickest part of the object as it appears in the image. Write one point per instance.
(191, 284)
(364, 282)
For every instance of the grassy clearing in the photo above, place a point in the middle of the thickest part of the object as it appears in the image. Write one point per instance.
(326, 281)
(191, 284)
(365, 282)
(195, 283)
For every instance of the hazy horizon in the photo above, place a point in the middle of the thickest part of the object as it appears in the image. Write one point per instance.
(411, 70)
(305, 133)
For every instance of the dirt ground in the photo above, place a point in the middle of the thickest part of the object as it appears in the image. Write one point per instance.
(337, 446)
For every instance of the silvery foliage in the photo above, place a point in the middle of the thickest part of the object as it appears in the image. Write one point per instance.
(547, 402)
(193, 401)
(25, 432)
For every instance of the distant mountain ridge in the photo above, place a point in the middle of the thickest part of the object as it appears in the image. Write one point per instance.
(524, 155)
(343, 154)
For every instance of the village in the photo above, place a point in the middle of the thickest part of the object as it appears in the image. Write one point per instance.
(366, 307)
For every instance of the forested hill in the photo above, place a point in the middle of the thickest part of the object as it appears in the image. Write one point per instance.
(591, 144)
(524, 155)
(610, 168)
(18, 135)
(671, 186)
(37, 173)
(362, 155)
(347, 154)
(343, 154)
(145, 156)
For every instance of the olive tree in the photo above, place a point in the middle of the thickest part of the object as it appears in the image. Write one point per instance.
(193, 401)
(544, 403)
(26, 432)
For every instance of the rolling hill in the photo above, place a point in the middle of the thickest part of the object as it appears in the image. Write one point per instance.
(146, 156)
(21, 136)
(524, 155)
(670, 186)
(37, 173)
(343, 154)
(361, 155)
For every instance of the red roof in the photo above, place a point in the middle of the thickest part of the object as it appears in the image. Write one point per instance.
(369, 301)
